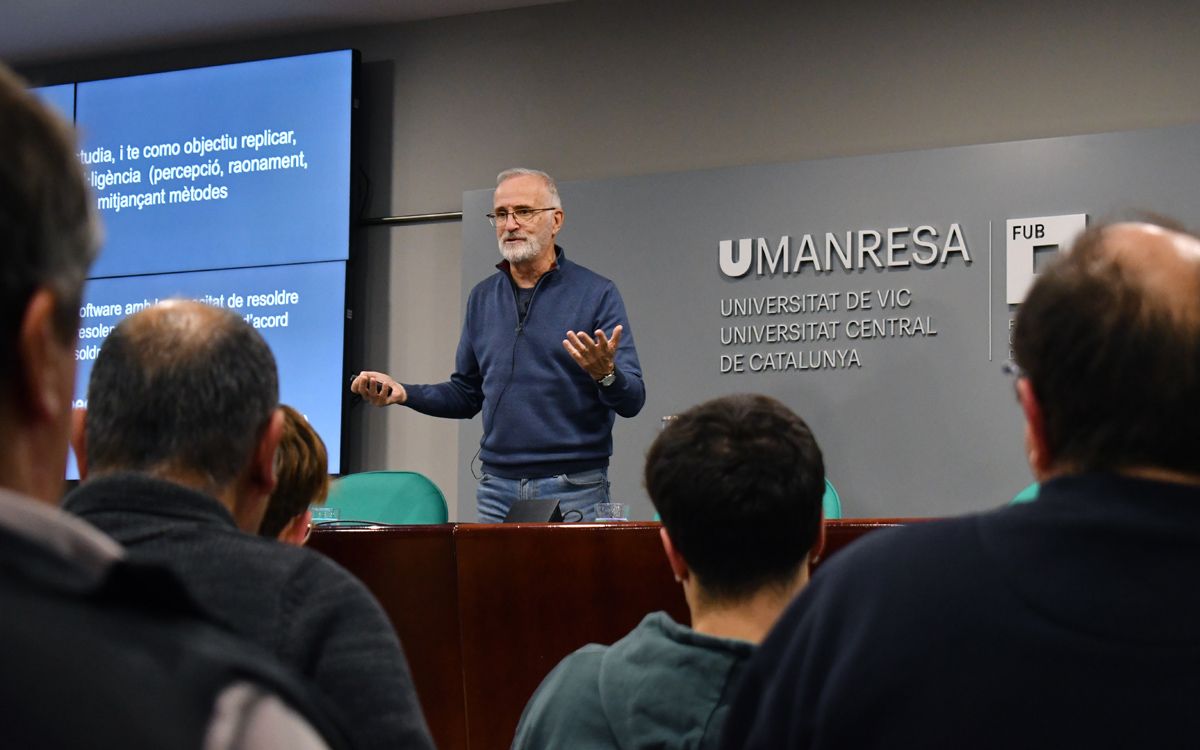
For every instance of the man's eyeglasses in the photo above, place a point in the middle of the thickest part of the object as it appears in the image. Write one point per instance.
(520, 215)
(1014, 371)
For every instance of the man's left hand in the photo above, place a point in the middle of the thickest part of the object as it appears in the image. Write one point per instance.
(596, 355)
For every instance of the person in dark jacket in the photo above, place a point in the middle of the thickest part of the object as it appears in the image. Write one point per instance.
(738, 482)
(546, 353)
(99, 651)
(178, 458)
(1070, 621)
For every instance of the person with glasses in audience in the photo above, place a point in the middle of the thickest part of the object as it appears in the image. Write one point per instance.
(547, 355)
(1066, 622)
(100, 649)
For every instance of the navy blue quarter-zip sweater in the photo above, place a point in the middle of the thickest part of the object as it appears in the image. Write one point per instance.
(543, 414)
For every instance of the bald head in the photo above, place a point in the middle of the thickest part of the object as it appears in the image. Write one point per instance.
(176, 331)
(180, 388)
(1163, 263)
(1109, 338)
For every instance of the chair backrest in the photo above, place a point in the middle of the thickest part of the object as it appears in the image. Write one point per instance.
(395, 497)
(1027, 495)
(831, 503)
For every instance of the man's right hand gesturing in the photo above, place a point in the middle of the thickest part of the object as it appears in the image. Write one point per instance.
(378, 388)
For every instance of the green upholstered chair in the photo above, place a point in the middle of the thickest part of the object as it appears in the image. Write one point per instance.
(1027, 495)
(831, 503)
(392, 497)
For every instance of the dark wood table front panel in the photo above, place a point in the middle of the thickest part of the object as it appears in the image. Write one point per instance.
(532, 593)
(411, 571)
(486, 611)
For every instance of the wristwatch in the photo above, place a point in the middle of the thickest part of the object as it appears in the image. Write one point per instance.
(608, 379)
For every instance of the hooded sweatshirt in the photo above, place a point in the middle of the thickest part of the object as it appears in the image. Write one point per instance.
(662, 686)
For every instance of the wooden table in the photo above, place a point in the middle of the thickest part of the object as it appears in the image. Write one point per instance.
(486, 611)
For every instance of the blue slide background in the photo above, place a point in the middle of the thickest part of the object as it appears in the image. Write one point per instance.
(284, 216)
(308, 352)
(61, 97)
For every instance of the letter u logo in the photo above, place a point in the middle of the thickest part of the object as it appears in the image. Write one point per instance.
(735, 268)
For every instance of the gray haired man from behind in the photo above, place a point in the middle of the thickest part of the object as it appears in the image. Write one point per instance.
(178, 460)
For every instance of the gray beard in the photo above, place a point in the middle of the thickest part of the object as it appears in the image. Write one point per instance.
(521, 253)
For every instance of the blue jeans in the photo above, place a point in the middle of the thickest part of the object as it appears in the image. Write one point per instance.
(579, 492)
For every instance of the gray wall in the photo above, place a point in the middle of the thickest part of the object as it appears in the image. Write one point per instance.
(902, 382)
(589, 90)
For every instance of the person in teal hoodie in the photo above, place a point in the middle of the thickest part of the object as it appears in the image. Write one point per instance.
(738, 482)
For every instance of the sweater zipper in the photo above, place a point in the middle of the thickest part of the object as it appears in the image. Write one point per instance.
(529, 309)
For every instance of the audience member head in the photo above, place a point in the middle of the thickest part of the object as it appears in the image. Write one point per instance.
(48, 236)
(1108, 340)
(738, 482)
(187, 392)
(301, 480)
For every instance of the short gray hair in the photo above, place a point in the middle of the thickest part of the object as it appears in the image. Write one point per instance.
(180, 387)
(47, 222)
(546, 179)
